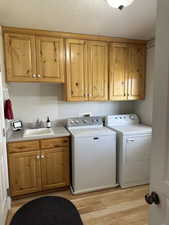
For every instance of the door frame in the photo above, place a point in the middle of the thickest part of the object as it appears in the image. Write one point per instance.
(7, 205)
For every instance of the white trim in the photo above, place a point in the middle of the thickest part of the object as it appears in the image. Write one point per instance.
(5, 211)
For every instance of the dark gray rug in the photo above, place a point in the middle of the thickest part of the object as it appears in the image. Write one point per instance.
(47, 211)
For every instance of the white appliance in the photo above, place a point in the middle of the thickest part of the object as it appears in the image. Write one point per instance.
(93, 154)
(133, 149)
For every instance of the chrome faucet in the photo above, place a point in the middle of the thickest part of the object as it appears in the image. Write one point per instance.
(39, 124)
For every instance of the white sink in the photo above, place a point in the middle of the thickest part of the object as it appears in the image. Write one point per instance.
(38, 132)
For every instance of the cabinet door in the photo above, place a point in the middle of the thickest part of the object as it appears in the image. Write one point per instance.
(97, 68)
(25, 175)
(137, 60)
(50, 59)
(55, 168)
(76, 63)
(118, 71)
(20, 57)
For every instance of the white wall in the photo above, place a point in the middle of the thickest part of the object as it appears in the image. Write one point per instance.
(144, 108)
(32, 101)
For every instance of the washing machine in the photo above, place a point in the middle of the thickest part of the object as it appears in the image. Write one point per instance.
(133, 149)
(93, 155)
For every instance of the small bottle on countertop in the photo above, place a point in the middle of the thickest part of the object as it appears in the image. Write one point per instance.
(48, 122)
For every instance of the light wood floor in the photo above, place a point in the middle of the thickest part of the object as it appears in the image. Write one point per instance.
(109, 207)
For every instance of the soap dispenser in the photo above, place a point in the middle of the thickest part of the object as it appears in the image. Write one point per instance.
(48, 122)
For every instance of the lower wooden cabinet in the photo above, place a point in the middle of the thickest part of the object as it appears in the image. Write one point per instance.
(54, 168)
(38, 169)
(25, 172)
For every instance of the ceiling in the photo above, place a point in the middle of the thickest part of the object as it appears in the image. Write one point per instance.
(82, 16)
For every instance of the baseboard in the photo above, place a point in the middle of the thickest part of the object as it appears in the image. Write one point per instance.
(6, 211)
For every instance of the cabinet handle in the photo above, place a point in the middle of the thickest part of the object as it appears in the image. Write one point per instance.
(42, 156)
(39, 76)
(38, 157)
(34, 75)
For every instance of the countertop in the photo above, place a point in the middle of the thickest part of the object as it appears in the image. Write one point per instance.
(18, 136)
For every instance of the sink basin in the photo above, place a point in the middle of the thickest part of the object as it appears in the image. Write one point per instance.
(38, 132)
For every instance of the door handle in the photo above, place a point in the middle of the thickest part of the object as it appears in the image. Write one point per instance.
(152, 198)
(130, 140)
(95, 138)
(3, 132)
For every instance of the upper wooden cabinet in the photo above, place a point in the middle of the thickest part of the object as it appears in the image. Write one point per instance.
(118, 71)
(87, 70)
(32, 58)
(50, 59)
(97, 68)
(136, 75)
(20, 57)
(76, 69)
(127, 71)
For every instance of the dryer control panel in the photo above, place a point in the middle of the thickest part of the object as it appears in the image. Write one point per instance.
(121, 120)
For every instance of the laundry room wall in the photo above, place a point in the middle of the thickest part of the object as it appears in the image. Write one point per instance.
(144, 108)
(39, 100)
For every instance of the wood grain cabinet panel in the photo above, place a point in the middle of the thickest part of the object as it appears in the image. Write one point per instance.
(25, 174)
(20, 57)
(127, 71)
(137, 66)
(31, 58)
(87, 70)
(97, 69)
(50, 59)
(118, 71)
(55, 168)
(54, 142)
(76, 70)
(23, 146)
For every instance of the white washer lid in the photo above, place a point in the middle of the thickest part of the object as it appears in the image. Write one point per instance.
(88, 132)
(133, 129)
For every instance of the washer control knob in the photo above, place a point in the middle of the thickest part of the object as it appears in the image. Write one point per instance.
(132, 117)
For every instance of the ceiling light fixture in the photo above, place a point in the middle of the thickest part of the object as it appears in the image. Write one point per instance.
(119, 4)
